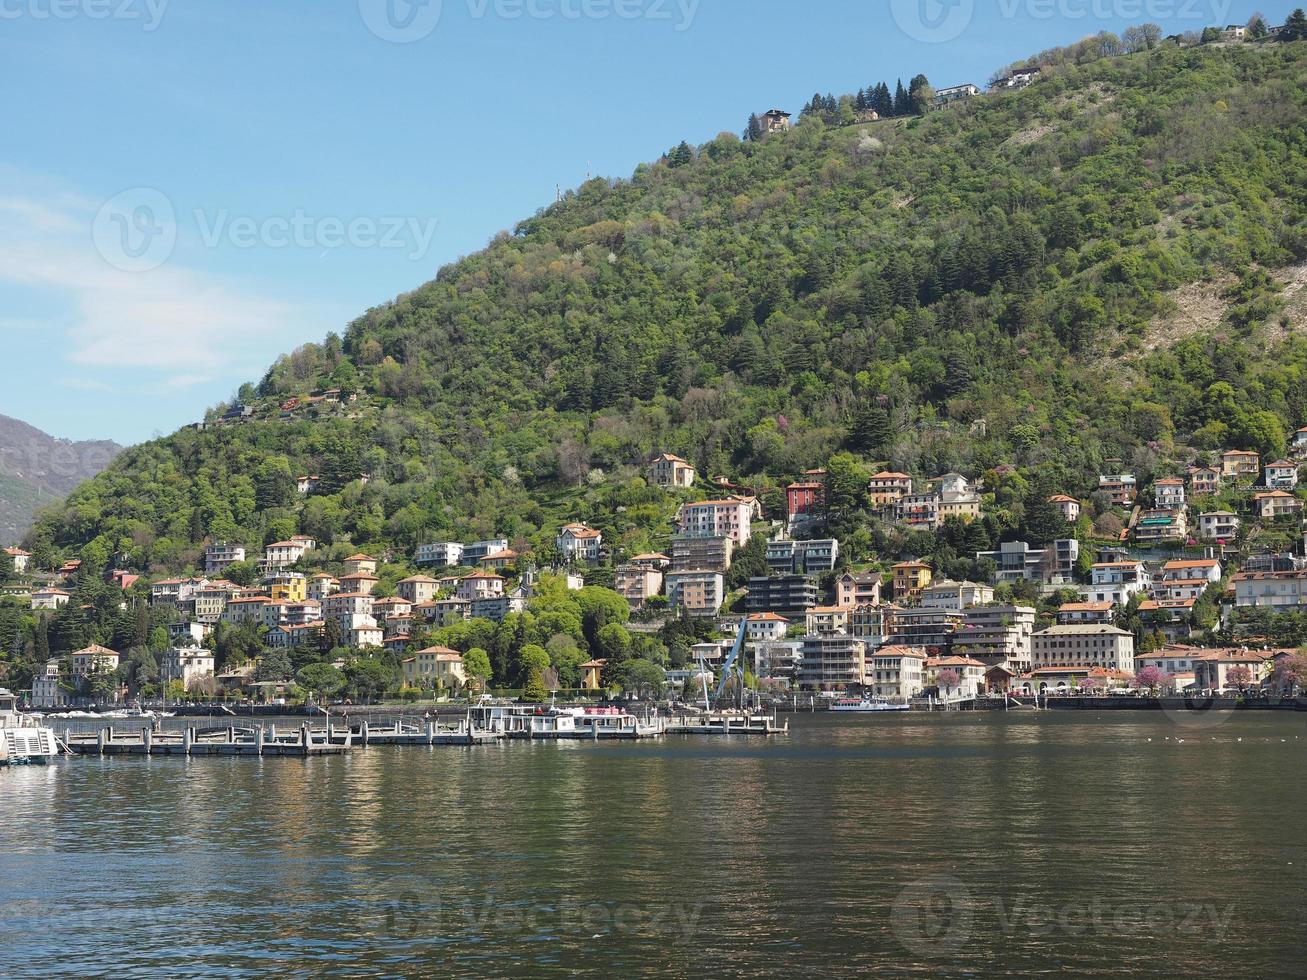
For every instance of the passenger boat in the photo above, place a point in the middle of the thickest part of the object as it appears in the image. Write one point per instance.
(867, 704)
(23, 740)
(564, 723)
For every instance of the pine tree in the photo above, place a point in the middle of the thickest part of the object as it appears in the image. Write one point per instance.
(753, 131)
(902, 101)
(873, 431)
(1295, 28)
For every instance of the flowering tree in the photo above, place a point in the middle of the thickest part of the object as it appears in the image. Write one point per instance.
(948, 679)
(1151, 678)
(1239, 676)
(1291, 674)
(1091, 685)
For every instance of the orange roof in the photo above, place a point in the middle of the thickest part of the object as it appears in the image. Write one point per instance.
(415, 579)
(1191, 563)
(1086, 607)
(1061, 498)
(887, 475)
(360, 558)
(768, 617)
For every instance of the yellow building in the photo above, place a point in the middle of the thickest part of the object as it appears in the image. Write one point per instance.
(290, 590)
(592, 674)
(910, 578)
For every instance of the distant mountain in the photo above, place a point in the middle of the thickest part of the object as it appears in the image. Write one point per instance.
(37, 469)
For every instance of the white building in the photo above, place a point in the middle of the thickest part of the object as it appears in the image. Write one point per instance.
(1088, 645)
(47, 691)
(1282, 475)
(1218, 525)
(766, 626)
(1117, 581)
(671, 471)
(730, 518)
(441, 554)
(897, 673)
(187, 665)
(220, 556)
(956, 596)
(576, 542)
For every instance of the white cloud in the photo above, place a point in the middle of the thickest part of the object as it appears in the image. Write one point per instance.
(169, 319)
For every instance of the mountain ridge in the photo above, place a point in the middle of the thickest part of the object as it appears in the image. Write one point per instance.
(36, 469)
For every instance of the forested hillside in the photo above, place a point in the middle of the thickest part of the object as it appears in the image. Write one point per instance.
(1107, 264)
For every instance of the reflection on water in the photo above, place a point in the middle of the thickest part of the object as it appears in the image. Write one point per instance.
(934, 844)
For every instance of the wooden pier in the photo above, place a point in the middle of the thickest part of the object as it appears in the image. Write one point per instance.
(259, 741)
(407, 731)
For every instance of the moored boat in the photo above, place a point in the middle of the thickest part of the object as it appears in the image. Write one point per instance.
(867, 704)
(23, 740)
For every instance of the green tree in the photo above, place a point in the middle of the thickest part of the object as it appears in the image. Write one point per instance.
(476, 664)
(323, 680)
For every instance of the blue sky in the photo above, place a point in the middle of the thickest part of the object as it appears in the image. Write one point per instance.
(189, 188)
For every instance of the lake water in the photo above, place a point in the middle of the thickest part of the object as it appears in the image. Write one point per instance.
(960, 844)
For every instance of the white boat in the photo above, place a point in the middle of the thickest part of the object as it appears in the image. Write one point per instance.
(866, 704)
(23, 740)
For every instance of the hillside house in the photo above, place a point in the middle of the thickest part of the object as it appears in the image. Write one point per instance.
(888, 487)
(775, 121)
(1241, 464)
(910, 579)
(1204, 480)
(786, 555)
(417, 589)
(1017, 561)
(220, 556)
(955, 93)
(1117, 581)
(360, 563)
(1218, 525)
(828, 620)
(699, 593)
(1120, 488)
(858, 588)
(672, 472)
(1275, 504)
(1299, 443)
(441, 554)
(92, 660)
(577, 542)
(1074, 613)
(729, 518)
(476, 551)
(1161, 527)
(1279, 591)
(1069, 506)
(1282, 475)
(50, 599)
(637, 584)
(766, 627)
(691, 554)
(956, 596)
(804, 501)
(1168, 494)
(21, 559)
(1234, 32)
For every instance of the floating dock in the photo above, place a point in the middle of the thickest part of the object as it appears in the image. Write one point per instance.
(259, 741)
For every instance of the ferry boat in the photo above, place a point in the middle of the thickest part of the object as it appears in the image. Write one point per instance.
(23, 740)
(867, 704)
(520, 722)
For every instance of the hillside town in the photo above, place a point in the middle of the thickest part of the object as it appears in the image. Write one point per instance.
(1170, 587)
